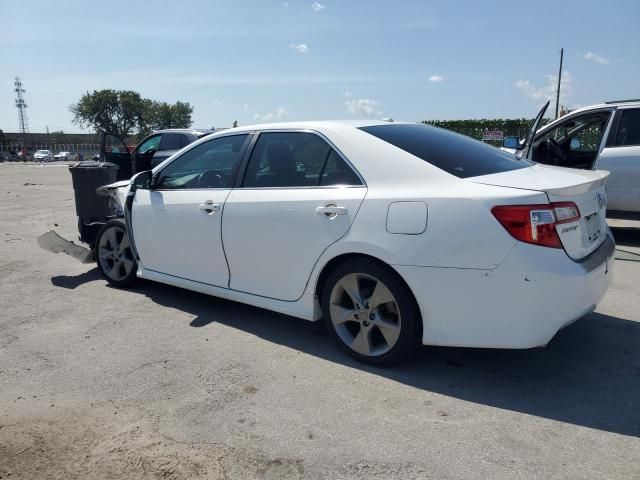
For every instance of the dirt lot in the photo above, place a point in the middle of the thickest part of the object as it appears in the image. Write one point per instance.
(161, 383)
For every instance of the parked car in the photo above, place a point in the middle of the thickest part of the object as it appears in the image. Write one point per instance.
(69, 156)
(397, 234)
(598, 137)
(150, 152)
(43, 156)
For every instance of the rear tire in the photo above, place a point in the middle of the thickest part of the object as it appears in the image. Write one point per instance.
(114, 255)
(369, 311)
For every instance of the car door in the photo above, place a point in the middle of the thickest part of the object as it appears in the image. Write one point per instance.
(144, 153)
(574, 142)
(114, 150)
(298, 195)
(621, 158)
(176, 223)
(170, 143)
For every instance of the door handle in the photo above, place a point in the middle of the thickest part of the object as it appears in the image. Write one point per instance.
(331, 210)
(210, 207)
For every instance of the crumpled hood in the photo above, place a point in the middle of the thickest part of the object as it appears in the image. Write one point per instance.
(117, 191)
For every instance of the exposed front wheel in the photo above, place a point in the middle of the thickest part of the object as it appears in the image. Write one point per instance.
(369, 311)
(114, 254)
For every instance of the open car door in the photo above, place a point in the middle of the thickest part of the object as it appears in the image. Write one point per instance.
(528, 142)
(114, 150)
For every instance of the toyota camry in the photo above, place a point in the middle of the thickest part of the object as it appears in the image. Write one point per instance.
(394, 234)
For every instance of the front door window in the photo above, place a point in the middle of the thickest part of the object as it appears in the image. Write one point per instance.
(574, 143)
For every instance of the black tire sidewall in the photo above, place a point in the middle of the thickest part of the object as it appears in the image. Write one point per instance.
(130, 279)
(410, 333)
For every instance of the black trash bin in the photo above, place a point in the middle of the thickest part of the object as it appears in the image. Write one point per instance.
(93, 210)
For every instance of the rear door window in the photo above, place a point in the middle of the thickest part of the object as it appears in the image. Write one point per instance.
(171, 141)
(454, 153)
(629, 129)
(296, 159)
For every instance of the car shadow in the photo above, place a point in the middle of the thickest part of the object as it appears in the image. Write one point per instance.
(626, 236)
(74, 281)
(589, 375)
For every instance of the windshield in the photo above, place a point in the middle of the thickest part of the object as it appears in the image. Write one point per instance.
(456, 154)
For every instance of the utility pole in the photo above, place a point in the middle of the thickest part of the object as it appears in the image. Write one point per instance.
(559, 80)
(21, 105)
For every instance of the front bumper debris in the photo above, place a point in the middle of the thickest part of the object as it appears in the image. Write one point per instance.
(54, 243)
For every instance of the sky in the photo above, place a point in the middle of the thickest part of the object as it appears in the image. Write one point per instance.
(275, 60)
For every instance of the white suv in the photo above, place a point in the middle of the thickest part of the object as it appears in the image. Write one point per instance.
(598, 137)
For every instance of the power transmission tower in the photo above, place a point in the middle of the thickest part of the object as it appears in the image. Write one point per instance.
(21, 105)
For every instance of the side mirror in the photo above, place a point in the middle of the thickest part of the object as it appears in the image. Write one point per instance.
(150, 153)
(511, 142)
(141, 180)
(575, 144)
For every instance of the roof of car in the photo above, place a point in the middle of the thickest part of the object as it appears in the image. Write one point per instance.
(311, 125)
(609, 104)
(193, 131)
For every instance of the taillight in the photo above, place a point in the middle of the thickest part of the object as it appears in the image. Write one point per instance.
(536, 223)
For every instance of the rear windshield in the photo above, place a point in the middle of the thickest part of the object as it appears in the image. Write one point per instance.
(454, 153)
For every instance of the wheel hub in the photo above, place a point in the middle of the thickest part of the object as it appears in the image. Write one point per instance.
(365, 314)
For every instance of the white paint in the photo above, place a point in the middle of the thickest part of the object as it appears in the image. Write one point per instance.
(475, 284)
(408, 218)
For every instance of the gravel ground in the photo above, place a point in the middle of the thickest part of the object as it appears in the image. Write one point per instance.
(158, 382)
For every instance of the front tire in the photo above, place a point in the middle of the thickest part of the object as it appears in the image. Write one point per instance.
(114, 254)
(369, 311)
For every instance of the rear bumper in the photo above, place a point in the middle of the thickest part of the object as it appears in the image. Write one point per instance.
(521, 304)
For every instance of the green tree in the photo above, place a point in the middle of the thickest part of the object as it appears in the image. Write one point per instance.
(117, 111)
(161, 115)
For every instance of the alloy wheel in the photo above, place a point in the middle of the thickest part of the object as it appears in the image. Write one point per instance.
(115, 254)
(365, 314)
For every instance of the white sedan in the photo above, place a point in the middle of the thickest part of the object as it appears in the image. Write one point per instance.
(43, 156)
(396, 234)
(64, 156)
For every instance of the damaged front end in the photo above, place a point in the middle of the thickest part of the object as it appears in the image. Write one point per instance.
(90, 225)
(94, 207)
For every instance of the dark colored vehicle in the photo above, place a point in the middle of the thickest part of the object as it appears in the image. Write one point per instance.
(150, 152)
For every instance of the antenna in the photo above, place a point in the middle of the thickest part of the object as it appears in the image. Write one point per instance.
(559, 82)
(21, 105)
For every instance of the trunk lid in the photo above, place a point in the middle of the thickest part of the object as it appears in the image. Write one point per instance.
(585, 188)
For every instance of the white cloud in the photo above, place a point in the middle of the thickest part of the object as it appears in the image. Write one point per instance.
(594, 58)
(285, 4)
(278, 114)
(282, 112)
(548, 91)
(245, 107)
(300, 47)
(347, 93)
(217, 103)
(436, 79)
(317, 6)
(363, 106)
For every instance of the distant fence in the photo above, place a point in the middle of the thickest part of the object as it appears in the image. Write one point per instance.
(54, 147)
